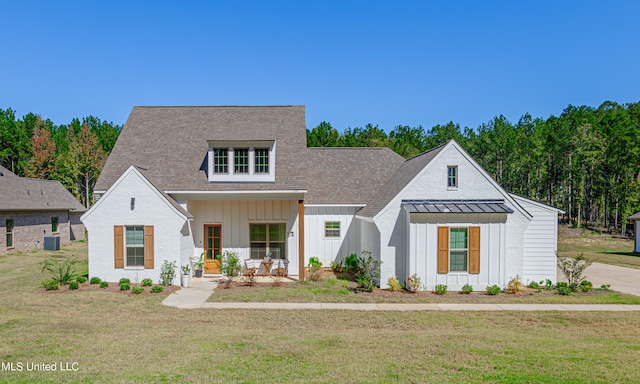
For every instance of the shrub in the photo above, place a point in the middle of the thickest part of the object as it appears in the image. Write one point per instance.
(441, 289)
(548, 284)
(95, 280)
(467, 289)
(316, 268)
(394, 284)
(146, 282)
(230, 265)
(414, 283)
(351, 263)
(73, 285)
(104, 284)
(50, 285)
(493, 290)
(125, 286)
(167, 273)
(124, 280)
(604, 287)
(62, 271)
(157, 289)
(81, 279)
(515, 285)
(137, 290)
(585, 286)
(562, 284)
(337, 266)
(368, 271)
(572, 268)
(564, 290)
(534, 285)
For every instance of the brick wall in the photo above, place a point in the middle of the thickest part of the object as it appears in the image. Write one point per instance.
(30, 228)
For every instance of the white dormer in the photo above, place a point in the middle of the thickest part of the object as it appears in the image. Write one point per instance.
(242, 161)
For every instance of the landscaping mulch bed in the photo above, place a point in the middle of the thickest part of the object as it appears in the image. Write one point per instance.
(113, 288)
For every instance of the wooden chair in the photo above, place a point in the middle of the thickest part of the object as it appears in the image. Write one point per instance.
(282, 267)
(250, 267)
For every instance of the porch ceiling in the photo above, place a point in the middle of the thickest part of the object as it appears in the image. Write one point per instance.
(456, 206)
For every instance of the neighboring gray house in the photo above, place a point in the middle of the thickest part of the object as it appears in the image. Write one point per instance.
(31, 209)
(182, 181)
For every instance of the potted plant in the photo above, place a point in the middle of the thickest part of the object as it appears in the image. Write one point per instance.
(185, 276)
(198, 266)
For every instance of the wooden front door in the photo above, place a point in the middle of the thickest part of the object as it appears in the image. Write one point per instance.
(212, 248)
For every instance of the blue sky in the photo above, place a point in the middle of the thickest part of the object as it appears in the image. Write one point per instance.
(350, 62)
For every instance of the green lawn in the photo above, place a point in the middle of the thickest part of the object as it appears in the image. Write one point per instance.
(125, 338)
(596, 247)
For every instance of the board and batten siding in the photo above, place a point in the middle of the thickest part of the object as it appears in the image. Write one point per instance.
(329, 249)
(540, 242)
(423, 249)
(235, 217)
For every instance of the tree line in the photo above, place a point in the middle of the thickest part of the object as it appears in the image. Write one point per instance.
(73, 154)
(584, 161)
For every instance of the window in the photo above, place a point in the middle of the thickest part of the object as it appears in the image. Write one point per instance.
(262, 160)
(241, 160)
(54, 224)
(452, 177)
(134, 243)
(267, 238)
(458, 249)
(9, 224)
(331, 229)
(220, 160)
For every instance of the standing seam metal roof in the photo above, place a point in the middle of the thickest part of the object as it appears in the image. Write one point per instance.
(456, 206)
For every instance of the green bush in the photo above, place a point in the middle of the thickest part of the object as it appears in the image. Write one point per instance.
(394, 284)
(586, 286)
(534, 285)
(467, 289)
(493, 290)
(316, 269)
(125, 286)
(124, 280)
(441, 289)
(104, 284)
(137, 290)
(81, 279)
(604, 287)
(95, 280)
(50, 285)
(73, 285)
(368, 271)
(157, 289)
(562, 284)
(168, 273)
(351, 263)
(147, 282)
(564, 290)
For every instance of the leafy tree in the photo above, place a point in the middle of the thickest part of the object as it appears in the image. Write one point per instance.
(43, 152)
(324, 135)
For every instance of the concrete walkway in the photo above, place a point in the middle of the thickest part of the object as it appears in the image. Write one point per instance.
(200, 290)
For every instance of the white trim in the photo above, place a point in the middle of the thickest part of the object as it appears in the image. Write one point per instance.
(335, 205)
(537, 204)
(236, 192)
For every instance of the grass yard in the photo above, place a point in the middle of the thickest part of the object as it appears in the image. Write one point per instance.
(596, 247)
(125, 338)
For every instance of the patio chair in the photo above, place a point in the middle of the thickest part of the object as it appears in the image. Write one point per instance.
(281, 268)
(250, 267)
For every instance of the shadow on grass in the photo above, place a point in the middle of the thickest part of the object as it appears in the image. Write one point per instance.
(631, 254)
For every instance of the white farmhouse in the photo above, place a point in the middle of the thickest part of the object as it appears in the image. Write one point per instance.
(182, 181)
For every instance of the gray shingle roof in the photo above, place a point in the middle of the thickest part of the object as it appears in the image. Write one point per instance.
(456, 206)
(400, 178)
(635, 216)
(25, 194)
(348, 175)
(171, 143)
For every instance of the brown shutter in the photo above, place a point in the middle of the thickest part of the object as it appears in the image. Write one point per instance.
(443, 249)
(148, 247)
(474, 250)
(118, 246)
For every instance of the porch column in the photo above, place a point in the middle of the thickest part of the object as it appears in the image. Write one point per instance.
(301, 240)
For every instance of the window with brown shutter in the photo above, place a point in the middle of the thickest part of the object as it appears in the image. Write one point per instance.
(118, 246)
(459, 250)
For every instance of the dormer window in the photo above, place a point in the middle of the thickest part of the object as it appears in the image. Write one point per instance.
(242, 161)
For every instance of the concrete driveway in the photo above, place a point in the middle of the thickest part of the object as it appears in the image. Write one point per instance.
(626, 280)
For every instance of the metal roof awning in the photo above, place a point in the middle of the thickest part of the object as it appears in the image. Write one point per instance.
(456, 206)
